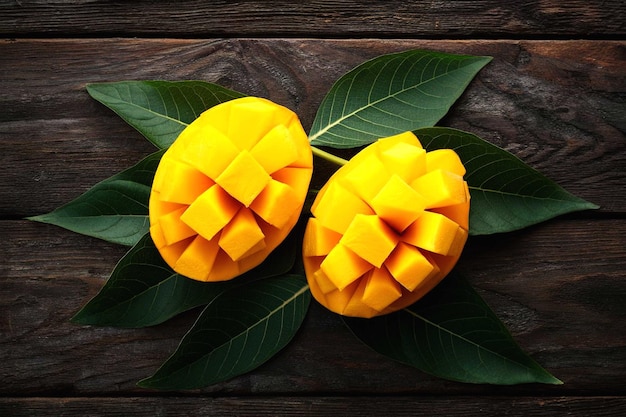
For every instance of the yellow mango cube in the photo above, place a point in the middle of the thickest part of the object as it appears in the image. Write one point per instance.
(343, 267)
(335, 207)
(436, 233)
(210, 156)
(276, 204)
(158, 207)
(211, 211)
(337, 300)
(365, 178)
(406, 161)
(275, 150)
(244, 178)
(355, 305)
(296, 178)
(446, 160)
(381, 289)
(398, 204)
(407, 138)
(175, 230)
(409, 266)
(241, 235)
(198, 258)
(440, 188)
(249, 121)
(325, 284)
(178, 174)
(370, 238)
(318, 240)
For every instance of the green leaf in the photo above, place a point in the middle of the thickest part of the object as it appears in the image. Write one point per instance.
(143, 290)
(391, 94)
(115, 209)
(160, 110)
(240, 330)
(451, 333)
(506, 193)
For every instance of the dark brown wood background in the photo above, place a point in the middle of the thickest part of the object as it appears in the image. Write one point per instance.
(555, 95)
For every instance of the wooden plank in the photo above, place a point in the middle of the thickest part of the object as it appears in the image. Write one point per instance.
(316, 406)
(562, 301)
(362, 18)
(556, 104)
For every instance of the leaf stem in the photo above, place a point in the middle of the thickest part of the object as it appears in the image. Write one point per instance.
(328, 156)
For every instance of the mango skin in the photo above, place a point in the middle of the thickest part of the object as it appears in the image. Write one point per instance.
(230, 189)
(387, 227)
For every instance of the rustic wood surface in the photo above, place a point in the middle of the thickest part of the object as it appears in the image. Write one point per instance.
(558, 104)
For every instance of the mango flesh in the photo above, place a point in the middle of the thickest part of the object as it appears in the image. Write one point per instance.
(387, 227)
(230, 189)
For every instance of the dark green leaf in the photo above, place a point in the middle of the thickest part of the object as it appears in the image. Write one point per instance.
(143, 290)
(240, 330)
(451, 333)
(115, 209)
(391, 94)
(506, 193)
(160, 110)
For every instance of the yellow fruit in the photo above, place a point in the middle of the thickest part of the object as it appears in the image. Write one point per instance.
(230, 189)
(388, 226)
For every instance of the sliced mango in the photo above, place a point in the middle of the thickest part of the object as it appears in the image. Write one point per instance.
(446, 160)
(398, 204)
(343, 267)
(409, 266)
(210, 212)
(335, 207)
(174, 230)
(436, 233)
(355, 305)
(370, 238)
(241, 235)
(338, 299)
(325, 284)
(387, 227)
(381, 289)
(318, 240)
(275, 150)
(405, 160)
(276, 203)
(209, 156)
(458, 213)
(407, 138)
(178, 173)
(440, 188)
(366, 178)
(244, 178)
(249, 121)
(297, 178)
(213, 188)
(158, 207)
(198, 258)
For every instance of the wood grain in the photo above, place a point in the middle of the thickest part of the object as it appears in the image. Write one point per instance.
(360, 406)
(566, 310)
(557, 105)
(320, 18)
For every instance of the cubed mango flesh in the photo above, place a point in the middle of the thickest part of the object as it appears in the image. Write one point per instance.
(398, 204)
(230, 189)
(388, 226)
(370, 238)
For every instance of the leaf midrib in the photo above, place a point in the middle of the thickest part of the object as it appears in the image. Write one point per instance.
(370, 104)
(466, 340)
(201, 358)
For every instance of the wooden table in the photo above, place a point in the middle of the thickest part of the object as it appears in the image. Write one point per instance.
(554, 95)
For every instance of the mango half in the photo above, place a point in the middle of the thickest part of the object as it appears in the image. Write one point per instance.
(387, 227)
(230, 189)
